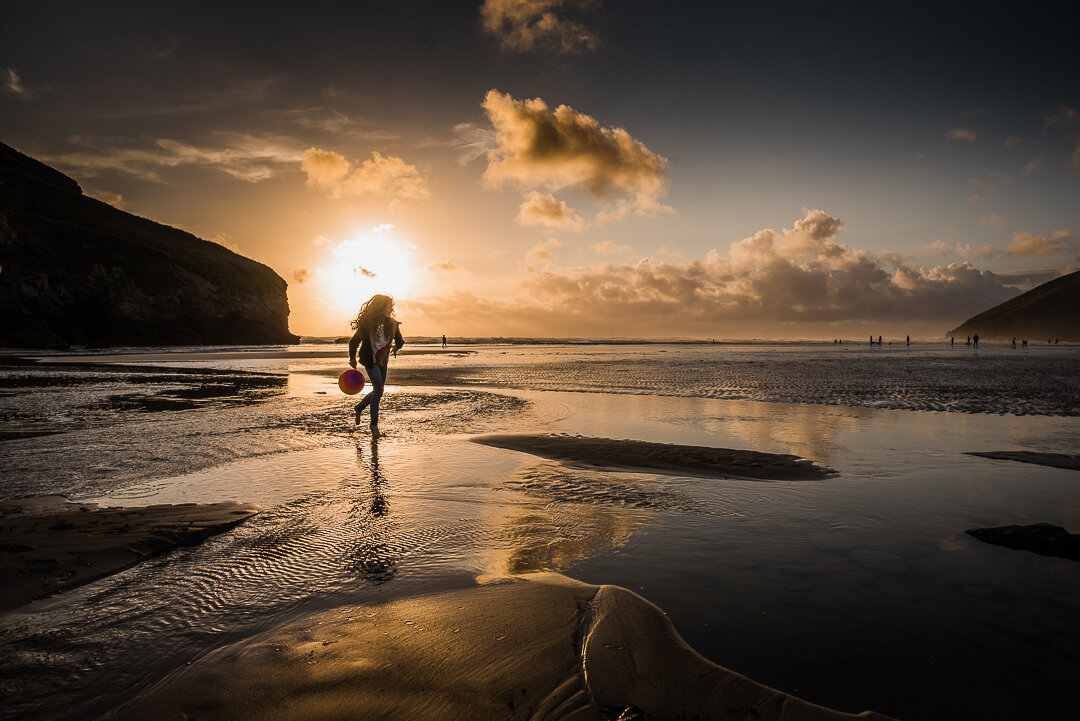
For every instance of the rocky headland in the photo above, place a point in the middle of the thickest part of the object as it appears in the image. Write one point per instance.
(77, 271)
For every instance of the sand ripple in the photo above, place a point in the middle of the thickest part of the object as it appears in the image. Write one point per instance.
(1005, 384)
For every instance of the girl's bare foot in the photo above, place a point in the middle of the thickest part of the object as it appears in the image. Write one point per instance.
(375, 431)
(359, 410)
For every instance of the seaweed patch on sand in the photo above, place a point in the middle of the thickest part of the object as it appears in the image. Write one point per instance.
(541, 646)
(49, 544)
(1056, 460)
(663, 457)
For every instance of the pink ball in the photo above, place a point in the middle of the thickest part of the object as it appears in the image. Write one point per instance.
(351, 382)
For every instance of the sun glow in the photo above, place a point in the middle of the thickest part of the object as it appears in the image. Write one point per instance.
(366, 264)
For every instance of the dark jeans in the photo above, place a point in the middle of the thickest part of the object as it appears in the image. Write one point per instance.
(377, 376)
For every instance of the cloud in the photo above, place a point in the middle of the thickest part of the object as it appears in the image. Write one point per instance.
(335, 122)
(967, 134)
(937, 248)
(1026, 244)
(473, 141)
(548, 211)
(1068, 120)
(1027, 279)
(988, 187)
(246, 157)
(12, 83)
(444, 266)
(993, 220)
(610, 247)
(969, 251)
(116, 200)
(541, 252)
(559, 149)
(301, 276)
(528, 25)
(215, 93)
(1012, 140)
(225, 241)
(380, 175)
(1031, 167)
(787, 282)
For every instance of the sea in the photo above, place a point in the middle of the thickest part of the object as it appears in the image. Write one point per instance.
(859, 591)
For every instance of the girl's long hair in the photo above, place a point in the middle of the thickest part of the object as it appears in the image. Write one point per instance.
(374, 312)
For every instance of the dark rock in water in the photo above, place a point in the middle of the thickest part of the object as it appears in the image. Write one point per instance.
(76, 271)
(1048, 311)
(1042, 538)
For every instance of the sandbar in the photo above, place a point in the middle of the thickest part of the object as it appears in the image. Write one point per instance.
(1044, 539)
(534, 647)
(634, 455)
(49, 544)
(1057, 460)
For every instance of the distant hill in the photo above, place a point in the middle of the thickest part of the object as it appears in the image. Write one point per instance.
(1051, 310)
(76, 271)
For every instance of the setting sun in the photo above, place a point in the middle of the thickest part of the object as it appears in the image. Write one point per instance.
(368, 263)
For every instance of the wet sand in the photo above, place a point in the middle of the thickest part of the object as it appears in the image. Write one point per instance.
(49, 544)
(536, 647)
(669, 457)
(1055, 460)
(854, 591)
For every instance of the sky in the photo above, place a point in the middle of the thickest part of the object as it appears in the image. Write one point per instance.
(580, 168)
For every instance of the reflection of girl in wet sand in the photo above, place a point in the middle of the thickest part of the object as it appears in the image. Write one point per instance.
(377, 336)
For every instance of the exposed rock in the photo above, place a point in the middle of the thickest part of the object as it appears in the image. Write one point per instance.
(1045, 312)
(76, 271)
(1044, 539)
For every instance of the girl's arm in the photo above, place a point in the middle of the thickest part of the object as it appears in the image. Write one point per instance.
(353, 343)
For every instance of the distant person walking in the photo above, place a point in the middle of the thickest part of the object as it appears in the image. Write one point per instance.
(909, 340)
(976, 338)
(377, 335)
(444, 341)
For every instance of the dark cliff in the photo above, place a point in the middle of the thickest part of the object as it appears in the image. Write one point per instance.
(1051, 310)
(75, 271)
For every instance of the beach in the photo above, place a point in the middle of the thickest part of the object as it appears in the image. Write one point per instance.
(797, 512)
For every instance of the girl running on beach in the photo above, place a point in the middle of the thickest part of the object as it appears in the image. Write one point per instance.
(377, 335)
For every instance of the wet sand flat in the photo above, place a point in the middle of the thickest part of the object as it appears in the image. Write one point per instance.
(538, 647)
(48, 544)
(669, 457)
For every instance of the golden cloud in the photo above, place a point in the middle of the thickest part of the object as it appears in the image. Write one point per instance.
(548, 211)
(967, 250)
(541, 252)
(770, 283)
(553, 150)
(527, 25)
(1026, 244)
(380, 175)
